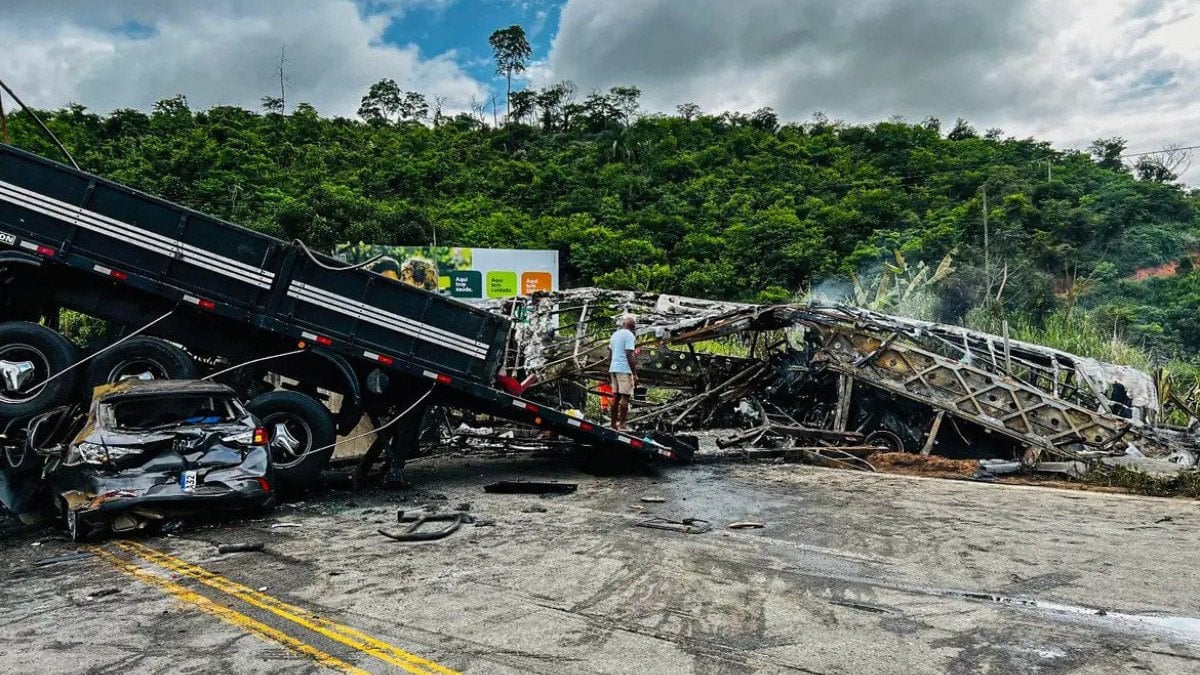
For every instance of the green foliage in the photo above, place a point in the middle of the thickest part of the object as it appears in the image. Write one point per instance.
(734, 206)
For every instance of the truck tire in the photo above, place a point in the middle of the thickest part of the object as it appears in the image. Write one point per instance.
(308, 425)
(137, 355)
(50, 353)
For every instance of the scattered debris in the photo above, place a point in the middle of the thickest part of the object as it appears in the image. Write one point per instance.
(804, 379)
(747, 525)
(417, 520)
(686, 526)
(522, 487)
(240, 548)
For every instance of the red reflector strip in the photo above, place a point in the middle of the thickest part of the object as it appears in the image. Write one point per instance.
(110, 272)
(200, 302)
(46, 251)
(381, 358)
(531, 407)
(262, 483)
(322, 340)
(636, 443)
(443, 379)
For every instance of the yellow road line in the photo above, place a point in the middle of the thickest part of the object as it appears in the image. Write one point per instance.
(346, 635)
(228, 615)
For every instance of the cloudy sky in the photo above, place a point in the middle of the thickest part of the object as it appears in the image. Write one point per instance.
(1065, 70)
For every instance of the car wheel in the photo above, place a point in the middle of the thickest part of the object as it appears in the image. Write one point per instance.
(298, 426)
(29, 355)
(142, 357)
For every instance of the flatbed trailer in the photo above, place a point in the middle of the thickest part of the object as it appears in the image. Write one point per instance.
(230, 295)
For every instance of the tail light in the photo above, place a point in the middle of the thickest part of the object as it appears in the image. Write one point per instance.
(262, 483)
(260, 436)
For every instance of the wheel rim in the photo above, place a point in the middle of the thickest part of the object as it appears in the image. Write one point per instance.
(137, 367)
(291, 438)
(887, 439)
(17, 353)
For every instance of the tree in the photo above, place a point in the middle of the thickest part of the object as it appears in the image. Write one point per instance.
(510, 49)
(381, 102)
(272, 104)
(553, 101)
(1164, 166)
(1108, 151)
(413, 107)
(625, 101)
(523, 103)
(282, 79)
(688, 111)
(765, 119)
(962, 130)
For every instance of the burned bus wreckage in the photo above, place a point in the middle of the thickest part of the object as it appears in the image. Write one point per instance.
(843, 381)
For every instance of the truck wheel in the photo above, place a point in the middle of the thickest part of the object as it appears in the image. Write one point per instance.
(296, 425)
(140, 355)
(29, 355)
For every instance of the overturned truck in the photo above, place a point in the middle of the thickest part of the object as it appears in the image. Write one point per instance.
(312, 345)
(843, 376)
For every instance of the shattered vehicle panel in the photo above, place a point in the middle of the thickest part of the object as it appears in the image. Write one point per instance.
(152, 450)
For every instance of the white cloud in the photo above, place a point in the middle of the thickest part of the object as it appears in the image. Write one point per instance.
(130, 54)
(1066, 70)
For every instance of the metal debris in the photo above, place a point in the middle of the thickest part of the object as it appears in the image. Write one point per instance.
(807, 379)
(685, 526)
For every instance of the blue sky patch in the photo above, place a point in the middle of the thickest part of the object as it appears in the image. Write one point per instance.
(135, 30)
(464, 26)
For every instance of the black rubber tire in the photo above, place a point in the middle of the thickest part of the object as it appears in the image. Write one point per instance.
(163, 359)
(309, 422)
(53, 353)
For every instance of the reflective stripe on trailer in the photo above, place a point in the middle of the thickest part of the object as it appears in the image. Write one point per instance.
(390, 320)
(137, 236)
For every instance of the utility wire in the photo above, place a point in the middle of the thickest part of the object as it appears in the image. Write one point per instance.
(41, 124)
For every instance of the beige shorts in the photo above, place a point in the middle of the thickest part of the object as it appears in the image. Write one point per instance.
(622, 383)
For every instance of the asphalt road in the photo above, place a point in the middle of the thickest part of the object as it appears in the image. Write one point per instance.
(852, 573)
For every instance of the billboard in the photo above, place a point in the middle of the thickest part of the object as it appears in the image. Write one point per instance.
(460, 272)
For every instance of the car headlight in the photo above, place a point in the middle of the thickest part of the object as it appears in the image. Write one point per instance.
(95, 453)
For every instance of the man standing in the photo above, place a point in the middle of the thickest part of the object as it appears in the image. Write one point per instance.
(622, 369)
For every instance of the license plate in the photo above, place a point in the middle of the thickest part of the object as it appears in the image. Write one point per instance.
(187, 481)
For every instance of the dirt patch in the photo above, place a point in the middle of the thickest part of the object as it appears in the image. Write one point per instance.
(924, 465)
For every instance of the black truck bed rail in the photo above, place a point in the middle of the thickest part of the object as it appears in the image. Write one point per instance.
(63, 216)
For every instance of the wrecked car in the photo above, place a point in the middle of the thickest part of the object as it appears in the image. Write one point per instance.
(142, 453)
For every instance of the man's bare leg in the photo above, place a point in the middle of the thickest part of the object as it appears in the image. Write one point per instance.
(615, 409)
(624, 411)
